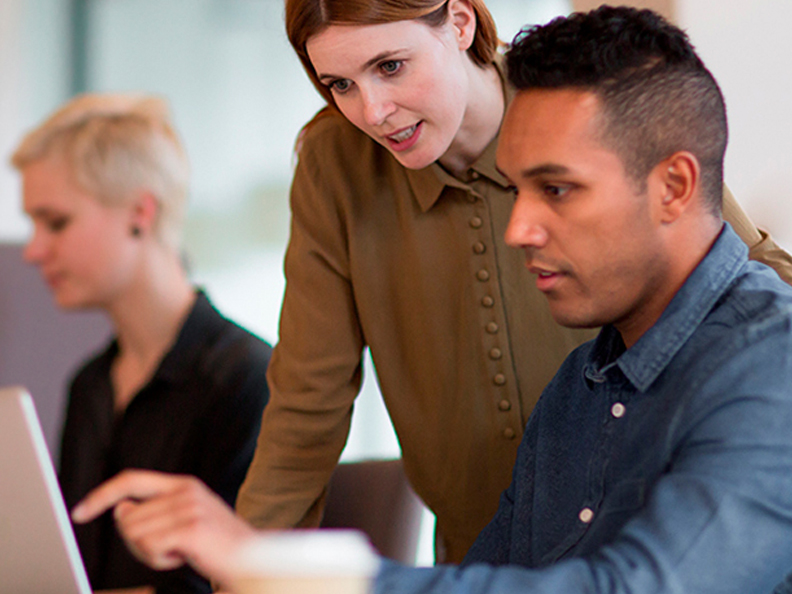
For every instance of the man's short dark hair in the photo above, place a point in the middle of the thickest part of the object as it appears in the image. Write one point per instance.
(657, 96)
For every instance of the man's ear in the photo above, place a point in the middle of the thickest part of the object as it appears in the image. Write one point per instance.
(462, 17)
(677, 182)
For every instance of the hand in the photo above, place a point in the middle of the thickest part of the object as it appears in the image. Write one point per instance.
(140, 590)
(169, 520)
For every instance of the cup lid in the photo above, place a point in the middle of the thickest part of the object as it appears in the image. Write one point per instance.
(327, 552)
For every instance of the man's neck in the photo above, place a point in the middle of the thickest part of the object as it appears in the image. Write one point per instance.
(687, 246)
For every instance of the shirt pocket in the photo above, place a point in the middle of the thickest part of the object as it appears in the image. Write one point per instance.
(628, 495)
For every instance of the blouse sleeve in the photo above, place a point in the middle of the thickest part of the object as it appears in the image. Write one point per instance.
(762, 247)
(315, 373)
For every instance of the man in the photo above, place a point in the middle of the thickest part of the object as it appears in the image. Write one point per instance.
(659, 459)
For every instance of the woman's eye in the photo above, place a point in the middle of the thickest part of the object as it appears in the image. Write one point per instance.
(57, 224)
(341, 85)
(391, 66)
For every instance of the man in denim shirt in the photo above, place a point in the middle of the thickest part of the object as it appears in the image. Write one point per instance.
(659, 459)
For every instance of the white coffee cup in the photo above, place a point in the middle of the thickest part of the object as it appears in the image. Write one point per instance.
(305, 562)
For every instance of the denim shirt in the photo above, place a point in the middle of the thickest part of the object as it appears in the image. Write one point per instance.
(665, 467)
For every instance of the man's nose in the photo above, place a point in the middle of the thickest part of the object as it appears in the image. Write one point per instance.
(526, 228)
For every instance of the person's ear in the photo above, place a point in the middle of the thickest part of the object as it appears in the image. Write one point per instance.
(462, 17)
(678, 185)
(144, 214)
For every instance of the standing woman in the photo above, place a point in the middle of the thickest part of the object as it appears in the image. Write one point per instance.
(179, 389)
(397, 244)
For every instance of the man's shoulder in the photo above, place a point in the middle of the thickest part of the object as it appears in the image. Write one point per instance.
(748, 334)
(756, 299)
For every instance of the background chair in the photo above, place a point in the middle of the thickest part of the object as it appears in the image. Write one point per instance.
(41, 346)
(376, 498)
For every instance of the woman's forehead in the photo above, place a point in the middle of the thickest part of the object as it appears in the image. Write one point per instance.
(361, 45)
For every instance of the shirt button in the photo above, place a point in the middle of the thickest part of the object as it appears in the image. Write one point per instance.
(499, 379)
(483, 275)
(493, 328)
(586, 515)
(487, 301)
(475, 175)
(471, 198)
(618, 410)
(476, 222)
(504, 405)
(495, 354)
(479, 248)
(509, 433)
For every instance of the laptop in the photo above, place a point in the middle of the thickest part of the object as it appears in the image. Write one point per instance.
(38, 551)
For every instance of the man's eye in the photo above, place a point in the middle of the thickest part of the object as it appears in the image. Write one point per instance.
(555, 191)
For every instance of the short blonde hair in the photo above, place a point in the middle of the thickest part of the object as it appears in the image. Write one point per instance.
(117, 145)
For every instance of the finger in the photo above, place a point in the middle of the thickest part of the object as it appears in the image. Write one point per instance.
(129, 484)
(186, 502)
(149, 546)
(164, 529)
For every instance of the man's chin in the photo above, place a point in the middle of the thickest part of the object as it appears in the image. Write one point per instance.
(575, 319)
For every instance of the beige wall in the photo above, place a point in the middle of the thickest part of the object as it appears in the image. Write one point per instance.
(664, 7)
(12, 224)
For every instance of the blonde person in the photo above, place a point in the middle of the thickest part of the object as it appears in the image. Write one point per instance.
(397, 244)
(179, 388)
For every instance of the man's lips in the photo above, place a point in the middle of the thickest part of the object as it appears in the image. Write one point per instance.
(546, 279)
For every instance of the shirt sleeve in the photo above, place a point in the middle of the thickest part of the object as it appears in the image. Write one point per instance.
(316, 369)
(761, 245)
(719, 521)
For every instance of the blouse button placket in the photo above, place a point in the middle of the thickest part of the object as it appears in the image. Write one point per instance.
(492, 328)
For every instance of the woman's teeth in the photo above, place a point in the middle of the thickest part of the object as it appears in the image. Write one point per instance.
(405, 135)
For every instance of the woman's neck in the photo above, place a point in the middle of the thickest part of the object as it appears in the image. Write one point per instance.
(147, 320)
(481, 122)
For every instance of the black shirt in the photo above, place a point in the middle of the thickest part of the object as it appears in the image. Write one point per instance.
(200, 414)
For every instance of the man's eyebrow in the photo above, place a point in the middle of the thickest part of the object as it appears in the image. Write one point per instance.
(545, 169)
(539, 170)
(368, 64)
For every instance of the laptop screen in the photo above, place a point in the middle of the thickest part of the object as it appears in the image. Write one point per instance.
(38, 552)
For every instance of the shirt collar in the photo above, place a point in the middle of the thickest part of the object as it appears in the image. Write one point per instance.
(647, 358)
(428, 184)
(201, 324)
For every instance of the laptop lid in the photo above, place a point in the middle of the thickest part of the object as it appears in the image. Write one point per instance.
(38, 551)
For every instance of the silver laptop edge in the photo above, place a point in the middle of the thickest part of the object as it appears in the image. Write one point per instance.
(40, 542)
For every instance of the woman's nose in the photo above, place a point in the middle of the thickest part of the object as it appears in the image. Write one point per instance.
(35, 250)
(377, 106)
